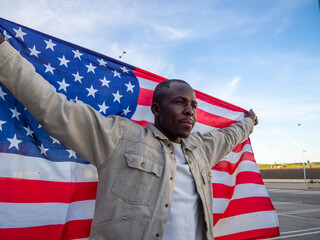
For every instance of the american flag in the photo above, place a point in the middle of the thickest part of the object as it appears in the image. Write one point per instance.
(48, 191)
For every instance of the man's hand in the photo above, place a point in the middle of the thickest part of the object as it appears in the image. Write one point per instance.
(1, 39)
(252, 115)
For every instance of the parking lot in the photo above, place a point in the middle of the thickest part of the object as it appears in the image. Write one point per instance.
(298, 210)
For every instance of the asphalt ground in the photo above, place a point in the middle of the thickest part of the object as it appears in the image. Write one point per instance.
(298, 209)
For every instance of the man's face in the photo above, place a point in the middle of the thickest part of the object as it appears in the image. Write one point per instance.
(175, 114)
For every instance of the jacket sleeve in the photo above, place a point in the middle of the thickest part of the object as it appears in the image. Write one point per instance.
(219, 143)
(74, 123)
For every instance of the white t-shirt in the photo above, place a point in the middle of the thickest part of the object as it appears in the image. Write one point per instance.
(186, 217)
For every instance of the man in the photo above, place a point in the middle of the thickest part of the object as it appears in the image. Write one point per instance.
(154, 181)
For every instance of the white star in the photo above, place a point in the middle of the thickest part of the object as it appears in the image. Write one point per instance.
(55, 141)
(2, 93)
(1, 122)
(102, 62)
(117, 96)
(129, 87)
(19, 33)
(15, 113)
(124, 69)
(71, 153)
(103, 107)
(126, 111)
(49, 68)
(91, 68)
(63, 61)
(34, 51)
(105, 82)
(43, 150)
(50, 44)
(92, 91)
(6, 35)
(39, 126)
(29, 132)
(77, 77)
(63, 85)
(116, 74)
(14, 142)
(77, 54)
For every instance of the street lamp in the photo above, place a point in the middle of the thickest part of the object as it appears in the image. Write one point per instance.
(302, 150)
(121, 56)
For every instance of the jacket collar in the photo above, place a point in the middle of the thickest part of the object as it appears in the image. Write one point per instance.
(158, 134)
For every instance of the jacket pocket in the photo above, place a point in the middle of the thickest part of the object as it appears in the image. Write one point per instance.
(138, 181)
(126, 227)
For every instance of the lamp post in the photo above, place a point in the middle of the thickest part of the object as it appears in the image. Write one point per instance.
(302, 150)
(121, 56)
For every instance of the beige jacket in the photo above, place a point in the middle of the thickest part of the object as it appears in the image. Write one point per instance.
(136, 165)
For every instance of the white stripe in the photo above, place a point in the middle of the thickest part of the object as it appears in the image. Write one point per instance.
(143, 113)
(147, 84)
(19, 215)
(246, 222)
(230, 180)
(234, 157)
(219, 111)
(34, 168)
(240, 191)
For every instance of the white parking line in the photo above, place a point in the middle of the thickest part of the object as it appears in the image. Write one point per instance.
(299, 211)
(302, 230)
(296, 235)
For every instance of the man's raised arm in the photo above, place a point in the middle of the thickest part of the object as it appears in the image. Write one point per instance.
(75, 124)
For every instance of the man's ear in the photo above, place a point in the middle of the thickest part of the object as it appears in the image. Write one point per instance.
(155, 108)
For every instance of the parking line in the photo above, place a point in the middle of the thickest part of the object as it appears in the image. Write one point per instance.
(296, 235)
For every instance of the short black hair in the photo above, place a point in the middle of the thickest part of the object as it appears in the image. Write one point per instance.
(163, 87)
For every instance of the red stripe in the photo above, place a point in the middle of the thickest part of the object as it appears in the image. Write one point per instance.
(240, 146)
(148, 75)
(253, 234)
(145, 97)
(217, 102)
(212, 120)
(17, 190)
(70, 230)
(142, 123)
(225, 166)
(223, 191)
(244, 206)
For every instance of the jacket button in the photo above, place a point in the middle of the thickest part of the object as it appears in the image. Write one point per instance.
(189, 162)
(171, 153)
(142, 164)
(166, 205)
(210, 174)
(157, 235)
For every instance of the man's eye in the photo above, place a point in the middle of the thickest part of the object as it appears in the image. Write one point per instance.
(180, 102)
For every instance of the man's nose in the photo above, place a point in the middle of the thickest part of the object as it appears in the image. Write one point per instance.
(188, 110)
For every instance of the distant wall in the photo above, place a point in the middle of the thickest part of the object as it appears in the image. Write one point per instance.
(290, 173)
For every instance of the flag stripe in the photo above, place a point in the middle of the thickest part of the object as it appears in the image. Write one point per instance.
(243, 206)
(46, 213)
(71, 230)
(238, 177)
(232, 167)
(245, 222)
(252, 234)
(32, 191)
(237, 192)
(35, 168)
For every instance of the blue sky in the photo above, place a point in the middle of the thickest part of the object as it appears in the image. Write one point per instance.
(262, 54)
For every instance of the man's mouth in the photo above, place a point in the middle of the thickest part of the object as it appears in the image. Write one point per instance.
(187, 122)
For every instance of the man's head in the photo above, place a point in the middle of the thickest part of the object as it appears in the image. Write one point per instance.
(174, 107)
